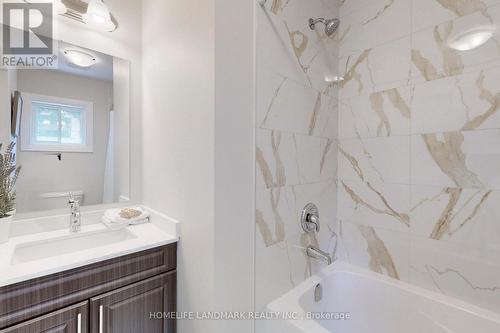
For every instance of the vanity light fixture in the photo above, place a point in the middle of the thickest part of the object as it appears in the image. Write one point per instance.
(98, 16)
(79, 58)
(471, 39)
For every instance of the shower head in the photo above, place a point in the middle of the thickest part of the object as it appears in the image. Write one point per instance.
(331, 25)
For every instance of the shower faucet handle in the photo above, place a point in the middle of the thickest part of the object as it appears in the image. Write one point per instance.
(310, 218)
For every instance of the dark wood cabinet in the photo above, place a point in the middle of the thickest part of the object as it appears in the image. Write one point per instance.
(73, 319)
(117, 295)
(132, 309)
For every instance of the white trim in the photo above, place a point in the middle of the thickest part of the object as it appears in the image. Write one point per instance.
(27, 125)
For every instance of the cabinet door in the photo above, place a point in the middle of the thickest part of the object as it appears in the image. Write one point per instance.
(132, 309)
(73, 319)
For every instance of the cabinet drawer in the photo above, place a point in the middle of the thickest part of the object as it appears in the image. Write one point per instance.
(33, 298)
(73, 319)
(129, 309)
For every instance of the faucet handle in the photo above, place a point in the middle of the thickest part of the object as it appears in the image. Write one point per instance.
(314, 219)
(310, 218)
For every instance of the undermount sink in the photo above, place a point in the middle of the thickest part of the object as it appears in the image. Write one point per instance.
(74, 243)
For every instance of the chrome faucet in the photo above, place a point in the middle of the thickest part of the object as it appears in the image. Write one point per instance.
(75, 222)
(309, 219)
(316, 253)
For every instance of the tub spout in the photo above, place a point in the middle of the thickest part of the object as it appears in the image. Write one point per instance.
(315, 253)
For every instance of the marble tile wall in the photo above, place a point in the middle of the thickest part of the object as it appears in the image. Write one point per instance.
(419, 145)
(296, 141)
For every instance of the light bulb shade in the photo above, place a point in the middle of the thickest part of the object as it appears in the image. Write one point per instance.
(98, 16)
(79, 58)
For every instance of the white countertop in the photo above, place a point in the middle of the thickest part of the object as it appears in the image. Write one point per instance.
(161, 230)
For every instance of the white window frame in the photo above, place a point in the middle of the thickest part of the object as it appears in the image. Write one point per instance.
(28, 138)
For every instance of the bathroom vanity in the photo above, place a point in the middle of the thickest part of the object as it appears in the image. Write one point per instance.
(54, 280)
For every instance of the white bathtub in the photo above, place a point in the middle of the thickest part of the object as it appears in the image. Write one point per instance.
(376, 304)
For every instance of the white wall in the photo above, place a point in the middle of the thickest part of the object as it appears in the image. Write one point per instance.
(178, 115)
(76, 171)
(234, 160)
(198, 147)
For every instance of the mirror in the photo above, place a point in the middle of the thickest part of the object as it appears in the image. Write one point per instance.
(71, 128)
